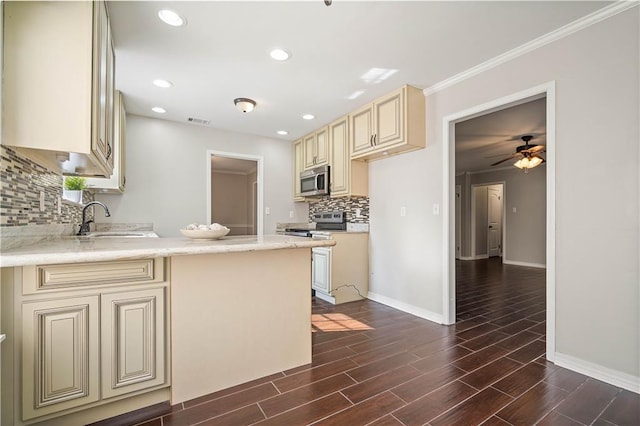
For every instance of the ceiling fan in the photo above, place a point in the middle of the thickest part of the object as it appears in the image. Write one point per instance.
(527, 154)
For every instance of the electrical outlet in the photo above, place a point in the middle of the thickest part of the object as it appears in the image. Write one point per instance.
(292, 214)
(403, 211)
(59, 205)
(358, 212)
(267, 210)
(436, 209)
(42, 201)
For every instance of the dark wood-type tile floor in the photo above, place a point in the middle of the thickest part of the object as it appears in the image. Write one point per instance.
(379, 366)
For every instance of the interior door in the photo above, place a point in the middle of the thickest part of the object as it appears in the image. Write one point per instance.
(494, 214)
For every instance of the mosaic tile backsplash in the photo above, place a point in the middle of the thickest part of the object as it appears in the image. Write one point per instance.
(21, 181)
(346, 204)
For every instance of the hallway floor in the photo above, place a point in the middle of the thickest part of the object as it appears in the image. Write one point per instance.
(376, 365)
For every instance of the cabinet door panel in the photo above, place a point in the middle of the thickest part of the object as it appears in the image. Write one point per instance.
(60, 355)
(132, 341)
(309, 145)
(390, 119)
(340, 158)
(321, 269)
(361, 130)
(322, 147)
(297, 168)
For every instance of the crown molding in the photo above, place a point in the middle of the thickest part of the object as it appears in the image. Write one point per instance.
(577, 25)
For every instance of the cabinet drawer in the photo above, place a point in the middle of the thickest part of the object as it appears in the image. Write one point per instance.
(55, 277)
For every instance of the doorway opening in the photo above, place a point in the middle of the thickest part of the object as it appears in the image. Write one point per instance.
(234, 192)
(451, 177)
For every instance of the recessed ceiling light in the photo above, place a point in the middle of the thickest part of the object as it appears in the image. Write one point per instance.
(282, 132)
(172, 18)
(308, 116)
(158, 110)
(280, 54)
(162, 83)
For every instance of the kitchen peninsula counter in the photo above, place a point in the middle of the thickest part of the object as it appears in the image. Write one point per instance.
(230, 311)
(95, 249)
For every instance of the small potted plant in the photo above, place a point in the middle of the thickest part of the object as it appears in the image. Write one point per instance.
(73, 186)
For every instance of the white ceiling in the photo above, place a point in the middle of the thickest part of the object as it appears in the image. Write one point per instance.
(223, 53)
(484, 140)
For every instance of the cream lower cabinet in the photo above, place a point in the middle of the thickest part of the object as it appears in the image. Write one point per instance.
(132, 341)
(321, 269)
(84, 335)
(341, 273)
(60, 355)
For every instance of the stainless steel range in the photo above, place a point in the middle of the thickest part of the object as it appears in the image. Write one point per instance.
(325, 221)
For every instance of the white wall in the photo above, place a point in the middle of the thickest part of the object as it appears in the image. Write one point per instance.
(525, 229)
(597, 192)
(167, 175)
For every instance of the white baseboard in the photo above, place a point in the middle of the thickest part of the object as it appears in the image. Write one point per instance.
(325, 297)
(607, 375)
(529, 264)
(478, 257)
(405, 307)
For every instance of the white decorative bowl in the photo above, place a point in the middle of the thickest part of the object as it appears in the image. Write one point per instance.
(205, 234)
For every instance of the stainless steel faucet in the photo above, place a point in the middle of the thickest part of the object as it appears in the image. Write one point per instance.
(84, 228)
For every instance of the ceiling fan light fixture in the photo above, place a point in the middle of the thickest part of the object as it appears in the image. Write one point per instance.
(528, 163)
(244, 104)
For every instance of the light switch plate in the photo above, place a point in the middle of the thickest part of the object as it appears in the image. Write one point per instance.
(292, 214)
(267, 210)
(403, 211)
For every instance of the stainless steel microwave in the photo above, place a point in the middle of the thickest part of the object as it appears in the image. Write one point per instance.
(315, 182)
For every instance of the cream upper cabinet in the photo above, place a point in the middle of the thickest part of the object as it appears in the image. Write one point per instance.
(117, 182)
(347, 177)
(298, 166)
(68, 43)
(316, 148)
(392, 124)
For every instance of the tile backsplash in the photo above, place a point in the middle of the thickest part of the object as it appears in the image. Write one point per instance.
(21, 181)
(346, 204)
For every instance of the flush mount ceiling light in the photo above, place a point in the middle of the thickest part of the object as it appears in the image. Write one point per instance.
(165, 84)
(244, 104)
(171, 18)
(308, 116)
(280, 54)
(158, 110)
(282, 132)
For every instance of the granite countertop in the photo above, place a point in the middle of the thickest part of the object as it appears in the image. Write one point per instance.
(83, 249)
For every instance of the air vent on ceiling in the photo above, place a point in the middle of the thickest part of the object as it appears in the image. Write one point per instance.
(198, 121)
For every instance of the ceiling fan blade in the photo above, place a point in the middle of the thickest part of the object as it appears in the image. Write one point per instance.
(498, 155)
(537, 148)
(504, 159)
